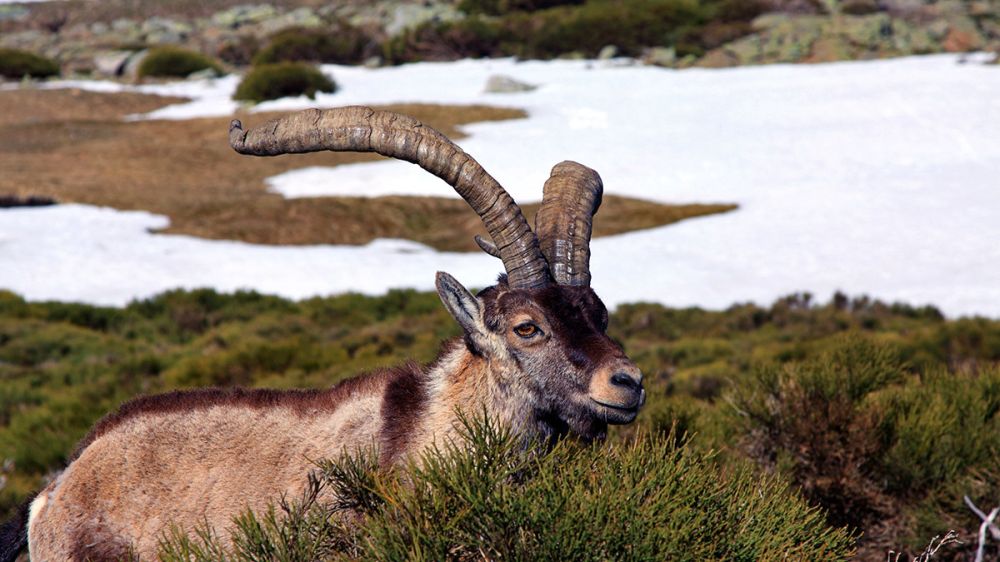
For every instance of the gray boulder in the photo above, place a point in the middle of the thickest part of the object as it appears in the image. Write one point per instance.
(501, 84)
(111, 63)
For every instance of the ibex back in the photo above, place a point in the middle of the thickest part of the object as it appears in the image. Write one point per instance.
(535, 355)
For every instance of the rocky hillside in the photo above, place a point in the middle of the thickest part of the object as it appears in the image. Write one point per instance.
(109, 38)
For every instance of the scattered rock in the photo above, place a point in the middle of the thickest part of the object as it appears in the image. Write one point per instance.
(938, 29)
(244, 15)
(765, 22)
(203, 74)
(300, 17)
(660, 56)
(868, 31)
(909, 39)
(748, 50)
(13, 12)
(501, 84)
(963, 36)
(111, 63)
(718, 58)
(405, 16)
(607, 52)
(131, 68)
(829, 49)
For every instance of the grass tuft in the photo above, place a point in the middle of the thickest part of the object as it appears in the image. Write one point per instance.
(175, 62)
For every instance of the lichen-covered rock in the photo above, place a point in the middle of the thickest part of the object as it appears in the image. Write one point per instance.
(829, 48)
(792, 39)
(300, 17)
(718, 58)
(131, 68)
(659, 56)
(911, 40)
(111, 63)
(244, 15)
(746, 50)
(13, 12)
(963, 36)
(872, 32)
(502, 84)
(405, 16)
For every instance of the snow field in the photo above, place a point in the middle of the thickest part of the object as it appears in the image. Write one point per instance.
(869, 177)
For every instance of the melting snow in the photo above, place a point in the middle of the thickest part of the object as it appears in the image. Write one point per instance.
(870, 177)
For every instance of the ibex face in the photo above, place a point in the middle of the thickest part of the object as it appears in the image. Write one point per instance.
(550, 347)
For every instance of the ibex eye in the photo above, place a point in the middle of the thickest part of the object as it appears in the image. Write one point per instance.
(526, 330)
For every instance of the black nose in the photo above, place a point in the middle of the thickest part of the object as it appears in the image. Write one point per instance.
(625, 380)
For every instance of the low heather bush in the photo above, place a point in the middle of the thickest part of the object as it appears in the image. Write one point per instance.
(648, 499)
(909, 398)
(630, 25)
(341, 44)
(813, 422)
(283, 79)
(501, 7)
(17, 64)
(174, 62)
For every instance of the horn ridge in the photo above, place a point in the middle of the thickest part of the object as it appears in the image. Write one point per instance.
(564, 223)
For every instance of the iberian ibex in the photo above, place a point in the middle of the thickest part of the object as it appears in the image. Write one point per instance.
(534, 356)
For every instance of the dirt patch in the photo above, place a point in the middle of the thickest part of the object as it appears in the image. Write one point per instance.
(73, 147)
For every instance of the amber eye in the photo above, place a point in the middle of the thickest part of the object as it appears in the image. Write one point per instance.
(526, 330)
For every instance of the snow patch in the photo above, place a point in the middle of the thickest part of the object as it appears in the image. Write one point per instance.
(872, 177)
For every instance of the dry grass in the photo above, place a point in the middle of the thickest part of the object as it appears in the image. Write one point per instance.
(74, 147)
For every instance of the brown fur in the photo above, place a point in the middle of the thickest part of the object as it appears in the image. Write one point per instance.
(204, 456)
(302, 402)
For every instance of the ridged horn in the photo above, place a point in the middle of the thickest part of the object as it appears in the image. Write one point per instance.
(363, 129)
(564, 222)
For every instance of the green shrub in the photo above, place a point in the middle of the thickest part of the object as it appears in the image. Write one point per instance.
(16, 64)
(808, 397)
(501, 7)
(472, 37)
(174, 62)
(239, 51)
(813, 422)
(586, 29)
(936, 430)
(342, 44)
(859, 7)
(630, 25)
(649, 499)
(273, 81)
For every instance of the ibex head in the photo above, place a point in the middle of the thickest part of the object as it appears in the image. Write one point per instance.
(541, 328)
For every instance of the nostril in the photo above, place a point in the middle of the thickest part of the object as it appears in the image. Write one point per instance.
(625, 380)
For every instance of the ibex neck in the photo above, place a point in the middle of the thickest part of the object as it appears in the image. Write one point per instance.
(462, 382)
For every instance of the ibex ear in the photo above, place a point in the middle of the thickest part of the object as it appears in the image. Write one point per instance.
(461, 304)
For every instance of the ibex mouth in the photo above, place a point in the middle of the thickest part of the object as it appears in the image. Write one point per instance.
(618, 413)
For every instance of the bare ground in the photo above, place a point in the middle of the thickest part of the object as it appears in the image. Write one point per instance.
(73, 146)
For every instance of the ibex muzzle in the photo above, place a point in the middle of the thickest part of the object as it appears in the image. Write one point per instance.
(535, 355)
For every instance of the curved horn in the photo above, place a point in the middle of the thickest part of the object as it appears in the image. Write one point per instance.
(363, 129)
(564, 221)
